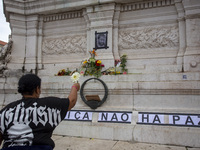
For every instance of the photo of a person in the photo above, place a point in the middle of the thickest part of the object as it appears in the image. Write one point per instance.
(101, 40)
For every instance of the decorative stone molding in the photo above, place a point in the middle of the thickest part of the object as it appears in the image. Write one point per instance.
(5, 56)
(182, 33)
(63, 16)
(146, 5)
(149, 38)
(67, 45)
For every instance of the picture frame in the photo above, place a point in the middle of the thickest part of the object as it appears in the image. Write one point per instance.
(101, 40)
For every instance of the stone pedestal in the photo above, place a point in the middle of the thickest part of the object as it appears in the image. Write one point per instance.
(161, 41)
(100, 19)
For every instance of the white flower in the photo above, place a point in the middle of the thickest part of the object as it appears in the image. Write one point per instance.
(75, 77)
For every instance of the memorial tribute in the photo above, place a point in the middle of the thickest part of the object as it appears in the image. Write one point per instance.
(147, 52)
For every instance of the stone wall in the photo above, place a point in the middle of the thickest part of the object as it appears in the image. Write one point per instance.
(152, 33)
(161, 40)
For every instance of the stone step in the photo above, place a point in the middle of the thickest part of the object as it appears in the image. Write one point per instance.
(155, 69)
(76, 143)
(131, 132)
(132, 77)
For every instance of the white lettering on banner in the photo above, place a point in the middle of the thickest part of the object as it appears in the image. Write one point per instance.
(78, 115)
(191, 120)
(118, 117)
(151, 118)
(187, 120)
(115, 117)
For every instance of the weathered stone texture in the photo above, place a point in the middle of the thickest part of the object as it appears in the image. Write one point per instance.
(160, 37)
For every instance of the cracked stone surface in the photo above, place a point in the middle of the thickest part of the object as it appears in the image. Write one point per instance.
(76, 143)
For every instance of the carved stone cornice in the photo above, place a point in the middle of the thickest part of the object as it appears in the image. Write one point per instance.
(28, 7)
(63, 16)
(55, 6)
(146, 5)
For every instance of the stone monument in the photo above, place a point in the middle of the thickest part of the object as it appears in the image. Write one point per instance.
(158, 100)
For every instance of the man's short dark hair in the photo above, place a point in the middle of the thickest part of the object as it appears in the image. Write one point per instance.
(28, 83)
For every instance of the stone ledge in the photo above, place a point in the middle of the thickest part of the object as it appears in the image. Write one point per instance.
(167, 135)
(167, 92)
(132, 77)
(43, 7)
(135, 133)
(100, 130)
(46, 90)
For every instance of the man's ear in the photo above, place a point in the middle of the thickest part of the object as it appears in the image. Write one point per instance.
(38, 90)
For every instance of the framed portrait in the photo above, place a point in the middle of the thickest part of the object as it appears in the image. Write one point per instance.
(101, 40)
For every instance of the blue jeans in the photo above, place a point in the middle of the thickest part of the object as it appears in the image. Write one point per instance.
(34, 147)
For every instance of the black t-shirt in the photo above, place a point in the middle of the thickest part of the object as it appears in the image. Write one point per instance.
(31, 121)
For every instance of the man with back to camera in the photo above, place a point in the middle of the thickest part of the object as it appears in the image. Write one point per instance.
(28, 124)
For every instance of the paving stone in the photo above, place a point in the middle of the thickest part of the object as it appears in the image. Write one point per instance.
(143, 146)
(75, 143)
(72, 143)
(193, 148)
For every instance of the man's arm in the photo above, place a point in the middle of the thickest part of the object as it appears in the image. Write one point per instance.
(73, 95)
